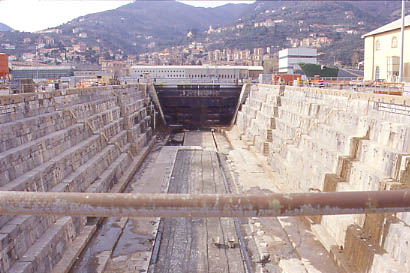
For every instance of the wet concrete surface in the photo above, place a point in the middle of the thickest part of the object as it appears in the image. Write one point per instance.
(103, 241)
(100, 248)
(133, 251)
(131, 241)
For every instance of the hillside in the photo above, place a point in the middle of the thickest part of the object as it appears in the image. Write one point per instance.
(4, 27)
(335, 28)
(147, 24)
(337, 25)
(153, 25)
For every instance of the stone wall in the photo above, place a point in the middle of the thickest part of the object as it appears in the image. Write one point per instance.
(331, 140)
(79, 140)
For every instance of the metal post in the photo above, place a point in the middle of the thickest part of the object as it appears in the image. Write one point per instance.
(203, 205)
(403, 4)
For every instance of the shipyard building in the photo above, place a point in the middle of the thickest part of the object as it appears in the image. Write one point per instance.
(42, 72)
(192, 74)
(289, 59)
(382, 52)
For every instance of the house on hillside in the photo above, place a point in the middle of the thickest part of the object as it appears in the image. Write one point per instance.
(382, 52)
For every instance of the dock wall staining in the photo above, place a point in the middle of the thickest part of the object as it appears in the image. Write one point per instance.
(77, 140)
(331, 140)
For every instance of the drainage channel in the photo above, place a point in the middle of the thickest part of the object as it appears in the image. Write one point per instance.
(101, 246)
(174, 139)
(241, 239)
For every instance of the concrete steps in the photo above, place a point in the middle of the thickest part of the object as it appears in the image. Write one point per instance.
(18, 235)
(132, 105)
(320, 152)
(121, 139)
(265, 121)
(90, 108)
(93, 159)
(294, 106)
(337, 143)
(270, 108)
(13, 108)
(335, 139)
(290, 131)
(392, 135)
(76, 181)
(42, 178)
(19, 160)
(81, 178)
(112, 172)
(362, 177)
(48, 249)
(19, 132)
(396, 243)
(111, 175)
(295, 119)
(74, 250)
(384, 263)
(98, 121)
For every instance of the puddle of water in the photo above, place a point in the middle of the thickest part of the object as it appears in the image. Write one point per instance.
(131, 241)
(103, 241)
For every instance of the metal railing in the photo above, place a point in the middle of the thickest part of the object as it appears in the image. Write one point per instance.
(203, 205)
(358, 85)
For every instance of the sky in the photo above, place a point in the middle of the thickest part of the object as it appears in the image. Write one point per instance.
(35, 15)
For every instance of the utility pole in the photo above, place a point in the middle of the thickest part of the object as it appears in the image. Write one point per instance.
(403, 4)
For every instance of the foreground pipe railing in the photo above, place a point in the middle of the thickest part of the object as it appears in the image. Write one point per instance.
(202, 205)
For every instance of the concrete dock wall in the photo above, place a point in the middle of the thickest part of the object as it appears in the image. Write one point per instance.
(80, 140)
(332, 140)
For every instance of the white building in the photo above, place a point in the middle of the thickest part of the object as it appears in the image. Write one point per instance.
(382, 52)
(194, 73)
(290, 57)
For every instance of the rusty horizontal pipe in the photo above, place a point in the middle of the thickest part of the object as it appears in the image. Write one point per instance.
(202, 205)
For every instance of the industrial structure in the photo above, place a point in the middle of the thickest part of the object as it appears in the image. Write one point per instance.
(196, 73)
(289, 59)
(202, 169)
(273, 150)
(4, 66)
(41, 72)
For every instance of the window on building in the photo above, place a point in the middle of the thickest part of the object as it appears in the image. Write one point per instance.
(377, 44)
(394, 42)
(377, 73)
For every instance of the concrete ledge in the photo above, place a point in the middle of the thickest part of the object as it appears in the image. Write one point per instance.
(134, 166)
(74, 250)
(341, 260)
